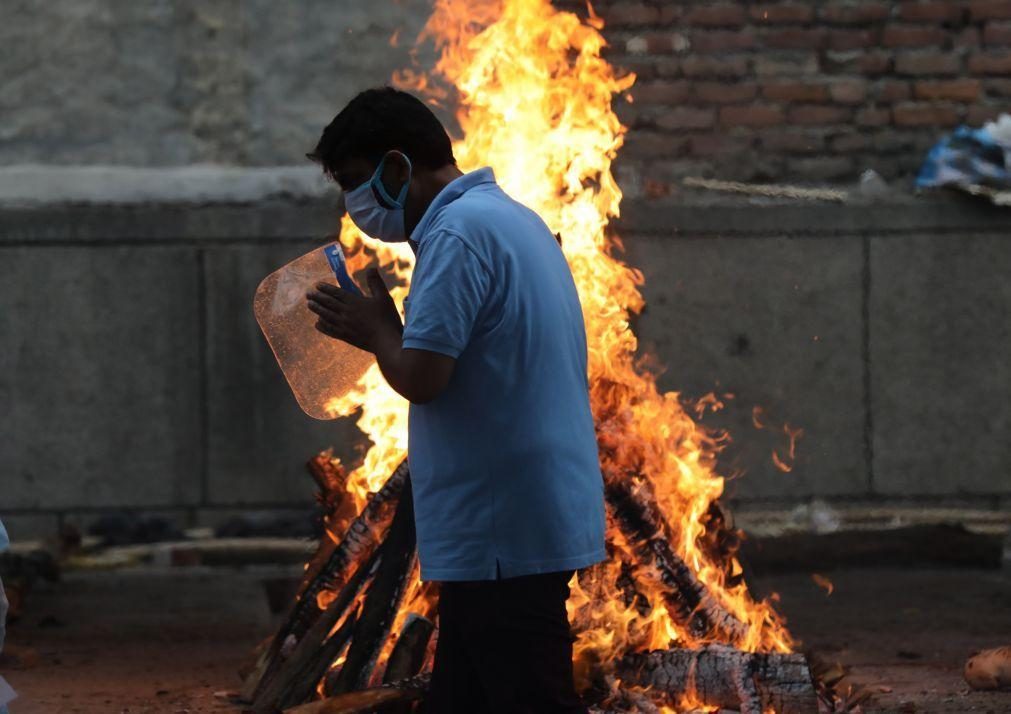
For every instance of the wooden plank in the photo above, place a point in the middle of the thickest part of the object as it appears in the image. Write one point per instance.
(368, 700)
(723, 677)
(382, 601)
(358, 543)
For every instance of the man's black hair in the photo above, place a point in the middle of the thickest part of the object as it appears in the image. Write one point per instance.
(381, 120)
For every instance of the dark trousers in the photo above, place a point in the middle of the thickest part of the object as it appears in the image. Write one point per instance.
(504, 647)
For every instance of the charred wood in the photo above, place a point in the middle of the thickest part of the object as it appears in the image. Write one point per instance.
(720, 676)
(627, 701)
(257, 674)
(408, 655)
(368, 700)
(328, 477)
(304, 687)
(330, 480)
(360, 540)
(631, 594)
(688, 599)
(382, 601)
(297, 671)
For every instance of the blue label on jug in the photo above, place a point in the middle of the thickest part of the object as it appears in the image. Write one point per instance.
(335, 257)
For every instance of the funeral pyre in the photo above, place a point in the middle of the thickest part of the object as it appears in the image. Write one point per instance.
(668, 623)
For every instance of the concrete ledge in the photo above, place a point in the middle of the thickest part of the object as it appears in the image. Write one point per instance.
(705, 215)
(270, 220)
(32, 184)
(273, 218)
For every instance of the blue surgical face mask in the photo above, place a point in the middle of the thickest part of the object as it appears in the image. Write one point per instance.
(375, 211)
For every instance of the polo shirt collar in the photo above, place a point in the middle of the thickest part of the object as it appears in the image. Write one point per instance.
(452, 191)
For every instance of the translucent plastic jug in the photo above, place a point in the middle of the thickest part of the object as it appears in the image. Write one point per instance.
(318, 368)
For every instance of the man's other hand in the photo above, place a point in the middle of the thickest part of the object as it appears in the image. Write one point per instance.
(364, 322)
(373, 324)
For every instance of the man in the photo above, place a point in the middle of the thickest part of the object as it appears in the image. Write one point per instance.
(6, 693)
(508, 494)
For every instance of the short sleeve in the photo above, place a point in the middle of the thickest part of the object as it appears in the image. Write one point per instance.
(449, 287)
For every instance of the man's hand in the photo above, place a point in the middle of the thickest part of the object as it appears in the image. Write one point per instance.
(367, 323)
(373, 324)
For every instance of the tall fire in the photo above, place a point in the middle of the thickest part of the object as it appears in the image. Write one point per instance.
(533, 98)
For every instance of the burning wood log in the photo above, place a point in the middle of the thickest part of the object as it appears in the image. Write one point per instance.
(408, 655)
(360, 540)
(396, 565)
(720, 676)
(331, 483)
(627, 701)
(311, 653)
(362, 536)
(630, 590)
(716, 675)
(368, 700)
(303, 688)
(688, 600)
(329, 478)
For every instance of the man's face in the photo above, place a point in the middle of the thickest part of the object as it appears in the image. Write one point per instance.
(352, 173)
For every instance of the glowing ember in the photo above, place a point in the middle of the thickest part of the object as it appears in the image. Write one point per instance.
(534, 102)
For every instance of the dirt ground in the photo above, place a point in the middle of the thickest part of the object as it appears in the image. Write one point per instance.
(169, 640)
(904, 634)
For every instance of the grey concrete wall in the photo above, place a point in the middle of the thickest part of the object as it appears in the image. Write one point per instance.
(173, 82)
(884, 331)
(134, 375)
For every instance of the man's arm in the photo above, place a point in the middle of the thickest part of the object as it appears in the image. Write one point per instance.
(373, 324)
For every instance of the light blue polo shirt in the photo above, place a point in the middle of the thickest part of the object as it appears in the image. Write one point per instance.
(504, 462)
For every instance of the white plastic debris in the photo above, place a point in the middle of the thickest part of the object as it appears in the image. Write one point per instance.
(872, 184)
(1000, 129)
(816, 516)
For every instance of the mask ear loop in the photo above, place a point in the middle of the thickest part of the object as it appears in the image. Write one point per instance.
(377, 183)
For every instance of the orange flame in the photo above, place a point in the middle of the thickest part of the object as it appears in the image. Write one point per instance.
(824, 583)
(782, 459)
(534, 98)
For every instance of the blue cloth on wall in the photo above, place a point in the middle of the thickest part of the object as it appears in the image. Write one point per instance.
(966, 157)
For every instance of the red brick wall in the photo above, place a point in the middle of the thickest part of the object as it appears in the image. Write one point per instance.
(801, 91)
